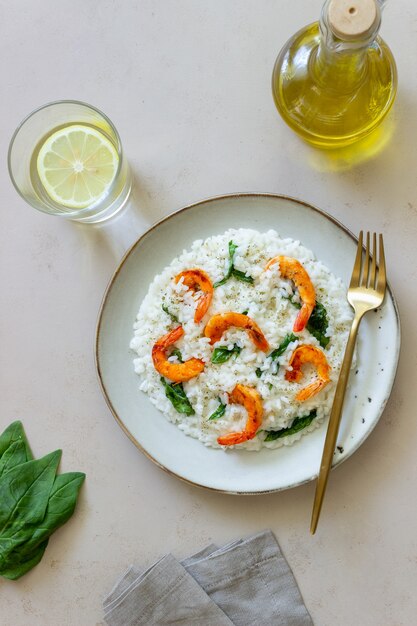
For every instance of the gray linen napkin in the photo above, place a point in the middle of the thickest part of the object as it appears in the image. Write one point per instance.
(245, 583)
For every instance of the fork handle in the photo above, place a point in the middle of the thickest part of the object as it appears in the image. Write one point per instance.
(334, 423)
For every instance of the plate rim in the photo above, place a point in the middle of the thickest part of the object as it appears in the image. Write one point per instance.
(115, 274)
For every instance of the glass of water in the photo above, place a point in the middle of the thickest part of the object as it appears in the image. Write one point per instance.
(66, 159)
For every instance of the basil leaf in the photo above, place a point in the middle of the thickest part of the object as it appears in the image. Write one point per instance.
(283, 346)
(15, 454)
(318, 323)
(223, 354)
(173, 317)
(298, 424)
(176, 394)
(245, 312)
(15, 571)
(242, 276)
(219, 412)
(14, 432)
(178, 354)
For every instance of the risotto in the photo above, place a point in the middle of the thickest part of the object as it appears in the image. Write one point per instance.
(239, 341)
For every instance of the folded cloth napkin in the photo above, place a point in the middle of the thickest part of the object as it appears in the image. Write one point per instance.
(247, 582)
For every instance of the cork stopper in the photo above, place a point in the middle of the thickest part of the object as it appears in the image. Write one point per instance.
(353, 19)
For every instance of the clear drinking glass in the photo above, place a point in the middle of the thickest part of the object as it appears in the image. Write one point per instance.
(70, 143)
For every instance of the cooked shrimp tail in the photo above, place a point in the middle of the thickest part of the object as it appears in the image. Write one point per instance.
(218, 324)
(302, 318)
(177, 372)
(301, 356)
(250, 399)
(293, 270)
(311, 390)
(198, 280)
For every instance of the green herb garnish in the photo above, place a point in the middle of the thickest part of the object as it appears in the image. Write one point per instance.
(275, 354)
(219, 412)
(298, 424)
(34, 502)
(318, 323)
(173, 317)
(232, 271)
(242, 276)
(176, 394)
(178, 354)
(245, 312)
(223, 354)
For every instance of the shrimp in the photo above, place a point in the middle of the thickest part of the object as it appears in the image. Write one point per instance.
(252, 402)
(218, 324)
(198, 280)
(293, 270)
(177, 372)
(308, 354)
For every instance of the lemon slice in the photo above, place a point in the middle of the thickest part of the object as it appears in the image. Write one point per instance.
(76, 165)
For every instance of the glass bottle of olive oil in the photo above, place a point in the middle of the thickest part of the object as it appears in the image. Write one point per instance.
(335, 80)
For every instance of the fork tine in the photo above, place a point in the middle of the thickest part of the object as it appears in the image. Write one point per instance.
(356, 273)
(372, 279)
(365, 275)
(382, 276)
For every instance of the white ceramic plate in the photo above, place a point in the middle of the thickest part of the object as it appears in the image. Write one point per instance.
(239, 471)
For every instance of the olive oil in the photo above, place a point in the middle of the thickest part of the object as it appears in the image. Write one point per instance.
(335, 91)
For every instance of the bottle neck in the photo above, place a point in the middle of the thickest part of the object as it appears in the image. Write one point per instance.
(340, 63)
(342, 69)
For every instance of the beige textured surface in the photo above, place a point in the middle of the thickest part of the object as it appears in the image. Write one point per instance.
(187, 83)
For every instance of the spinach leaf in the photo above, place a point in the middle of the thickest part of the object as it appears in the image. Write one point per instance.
(14, 432)
(15, 571)
(24, 492)
(219, 412)
(283, 346)
(275, 354)
(173, 317)
(318, 323)
(232, 250)
(223, 354)
(34, 502)
(298, 424)
(232, 271)
(178, 354)
(242, 276)
(61, 505)
(176, 394)
(15, 454)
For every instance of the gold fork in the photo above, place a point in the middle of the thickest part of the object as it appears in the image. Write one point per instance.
(366, 292)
